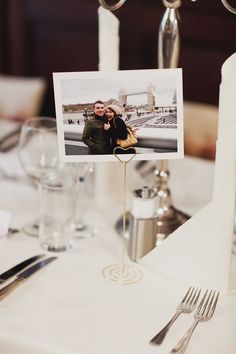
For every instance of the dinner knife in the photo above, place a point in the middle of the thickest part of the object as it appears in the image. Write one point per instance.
(21, 277)
(10, 140)
(17, 268)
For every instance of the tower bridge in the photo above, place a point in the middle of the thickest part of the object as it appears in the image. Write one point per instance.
(136, 93)
(150, 105)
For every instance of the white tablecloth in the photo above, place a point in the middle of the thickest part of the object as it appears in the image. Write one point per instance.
(69, 307)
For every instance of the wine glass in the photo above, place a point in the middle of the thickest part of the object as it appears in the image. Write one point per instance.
(38, 154)
(84, 218)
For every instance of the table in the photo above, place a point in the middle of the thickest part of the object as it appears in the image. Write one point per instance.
(70, 308)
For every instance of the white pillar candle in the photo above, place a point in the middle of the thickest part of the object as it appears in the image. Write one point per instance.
(108, 40)
(108, 187)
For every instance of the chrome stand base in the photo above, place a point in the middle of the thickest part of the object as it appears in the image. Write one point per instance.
(168, 222)
(85, 231)
(168, 217)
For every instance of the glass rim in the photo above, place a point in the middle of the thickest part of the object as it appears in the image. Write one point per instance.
(46, 186)
(29, 123)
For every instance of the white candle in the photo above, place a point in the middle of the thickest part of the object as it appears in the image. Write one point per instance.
(108, 40)
(108, 184)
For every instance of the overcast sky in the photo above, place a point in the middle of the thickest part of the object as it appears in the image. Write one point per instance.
(78, 88)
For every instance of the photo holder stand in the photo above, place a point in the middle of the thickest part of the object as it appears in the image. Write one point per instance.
(123, 273)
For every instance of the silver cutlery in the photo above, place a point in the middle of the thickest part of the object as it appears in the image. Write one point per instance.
(187, 305)
(10, 140)
(21, 277)
(204, 312)
(17, 268)
(13, 230)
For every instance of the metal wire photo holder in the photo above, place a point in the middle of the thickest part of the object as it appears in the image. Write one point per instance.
(123, 273)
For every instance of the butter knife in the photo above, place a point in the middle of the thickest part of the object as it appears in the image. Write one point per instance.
(21, 277)
(17, 268)
(10, 140)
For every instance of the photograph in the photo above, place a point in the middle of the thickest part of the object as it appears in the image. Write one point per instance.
(102, 114)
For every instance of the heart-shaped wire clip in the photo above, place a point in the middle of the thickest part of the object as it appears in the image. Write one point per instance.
(124, 155)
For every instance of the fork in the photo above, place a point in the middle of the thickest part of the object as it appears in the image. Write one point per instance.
(204, 312)
(187, 305)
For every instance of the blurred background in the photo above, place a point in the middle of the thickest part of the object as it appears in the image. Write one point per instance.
(38, 37)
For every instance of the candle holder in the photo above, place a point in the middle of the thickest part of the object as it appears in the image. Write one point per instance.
(169, 218)
(228, 6)
(112, 7)
(121, 2)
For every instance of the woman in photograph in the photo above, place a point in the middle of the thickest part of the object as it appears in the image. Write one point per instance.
(116, 125)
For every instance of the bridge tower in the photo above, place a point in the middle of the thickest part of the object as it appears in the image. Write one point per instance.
(123, 99)
(150, 98)
(174, 100)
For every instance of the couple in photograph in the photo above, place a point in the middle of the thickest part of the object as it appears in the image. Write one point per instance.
(102, 130)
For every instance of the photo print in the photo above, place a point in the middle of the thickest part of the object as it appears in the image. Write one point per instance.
(98, 112)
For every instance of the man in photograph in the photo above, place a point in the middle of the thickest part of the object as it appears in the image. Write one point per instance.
(95, 135)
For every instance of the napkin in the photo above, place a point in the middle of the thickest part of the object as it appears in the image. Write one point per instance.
(225, 147)
(199, 252)
(10, 166)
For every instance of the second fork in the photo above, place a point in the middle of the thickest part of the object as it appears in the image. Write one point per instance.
(204, 312)
(187, 305)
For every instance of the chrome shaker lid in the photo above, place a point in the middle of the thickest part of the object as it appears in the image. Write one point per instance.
(145, 193)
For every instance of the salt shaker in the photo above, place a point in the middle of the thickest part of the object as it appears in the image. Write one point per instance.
(143, 223)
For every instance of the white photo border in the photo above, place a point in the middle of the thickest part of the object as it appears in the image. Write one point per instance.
(60, 77)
